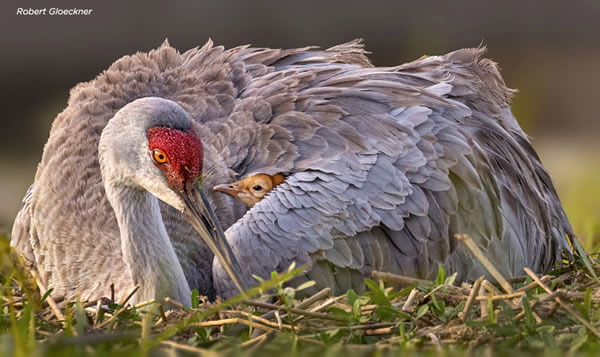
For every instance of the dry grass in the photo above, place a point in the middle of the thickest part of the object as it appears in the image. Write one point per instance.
(555, 312)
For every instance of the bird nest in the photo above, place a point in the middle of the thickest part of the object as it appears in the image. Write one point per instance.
(532, 312)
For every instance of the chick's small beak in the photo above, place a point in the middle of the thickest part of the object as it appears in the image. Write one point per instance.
(202, 217)
(230, 188)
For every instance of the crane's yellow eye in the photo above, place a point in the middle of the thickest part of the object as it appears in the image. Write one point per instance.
(159, 156)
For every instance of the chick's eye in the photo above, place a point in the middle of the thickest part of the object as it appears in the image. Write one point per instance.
(257, 187)
(159, 156)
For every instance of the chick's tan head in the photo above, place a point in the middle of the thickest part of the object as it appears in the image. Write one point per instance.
(252, 189)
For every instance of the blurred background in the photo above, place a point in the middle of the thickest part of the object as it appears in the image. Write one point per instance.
(549, 51)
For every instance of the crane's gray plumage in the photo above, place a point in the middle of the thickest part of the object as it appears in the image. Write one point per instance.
(383, 165)
(132, 183)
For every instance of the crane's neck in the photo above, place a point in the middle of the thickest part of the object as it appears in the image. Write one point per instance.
(147, 250)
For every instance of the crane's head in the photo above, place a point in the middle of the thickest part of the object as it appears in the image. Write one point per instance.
(150, 145)
(251, 189)
(178, 154)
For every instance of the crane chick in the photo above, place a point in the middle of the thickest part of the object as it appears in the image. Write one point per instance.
(251, 189)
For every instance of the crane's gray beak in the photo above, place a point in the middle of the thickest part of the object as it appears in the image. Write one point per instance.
(203, 219)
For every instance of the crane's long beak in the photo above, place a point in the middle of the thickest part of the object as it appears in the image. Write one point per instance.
(203, 219)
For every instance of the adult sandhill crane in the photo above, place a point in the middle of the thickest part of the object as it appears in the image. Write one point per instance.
(383, 166)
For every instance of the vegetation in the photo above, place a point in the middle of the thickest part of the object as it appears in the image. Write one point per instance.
(554, 314)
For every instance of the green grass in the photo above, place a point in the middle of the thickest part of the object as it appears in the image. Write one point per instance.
(575, 171)
(370, 324)
(581, 201)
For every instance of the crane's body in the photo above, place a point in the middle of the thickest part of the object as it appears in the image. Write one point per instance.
(382, 167)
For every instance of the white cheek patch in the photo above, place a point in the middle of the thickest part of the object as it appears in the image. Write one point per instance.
(157, 185)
